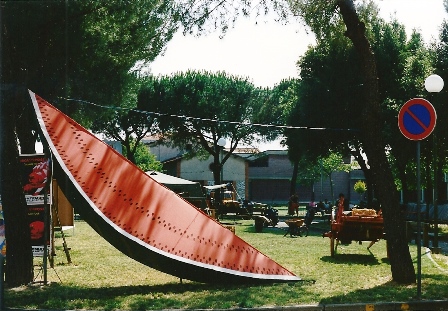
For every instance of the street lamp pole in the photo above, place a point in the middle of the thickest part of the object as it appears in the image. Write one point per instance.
(434, 84)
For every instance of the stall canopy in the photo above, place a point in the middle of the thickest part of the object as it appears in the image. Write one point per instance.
(189, 190)
(216, 186)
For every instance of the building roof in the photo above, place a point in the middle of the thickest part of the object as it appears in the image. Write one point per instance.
(254, 156)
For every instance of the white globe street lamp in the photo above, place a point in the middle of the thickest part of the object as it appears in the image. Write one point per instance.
(434, 84)
(222, 142)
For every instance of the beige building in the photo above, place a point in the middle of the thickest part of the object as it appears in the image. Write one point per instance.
(261, 177)
(234, 171)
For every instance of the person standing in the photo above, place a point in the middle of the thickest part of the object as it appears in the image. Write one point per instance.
(293, 205)
(341, 205)
(327, 206)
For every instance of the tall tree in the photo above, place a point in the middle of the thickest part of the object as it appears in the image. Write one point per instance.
(19, 269)
(440, 65)
(198, 108)
(81, 49)
(401, 262)
(282, 108)
(125, 123)
(402, 68)
(323, 19)
(333, 162)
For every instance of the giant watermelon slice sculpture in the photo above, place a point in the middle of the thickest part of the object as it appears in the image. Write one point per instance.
(142, 218)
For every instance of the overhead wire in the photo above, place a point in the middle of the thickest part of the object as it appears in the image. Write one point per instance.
(153, 113)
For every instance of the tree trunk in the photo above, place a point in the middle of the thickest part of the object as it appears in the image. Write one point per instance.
(402, 267)
(295, 171)
(331, 186)
(404, 182)
(129, 153)
(19, 257)
(369, 182)
(26, 123)
(216, 169)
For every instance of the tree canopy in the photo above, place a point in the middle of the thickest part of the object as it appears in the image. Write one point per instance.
(342, 78)
(371, 128)
(196, 109)
(81, 48)
(69, 49)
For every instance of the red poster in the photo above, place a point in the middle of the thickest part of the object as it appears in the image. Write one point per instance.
(2, 232)
(35, 172)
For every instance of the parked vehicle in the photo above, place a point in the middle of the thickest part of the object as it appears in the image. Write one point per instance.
(229, 202)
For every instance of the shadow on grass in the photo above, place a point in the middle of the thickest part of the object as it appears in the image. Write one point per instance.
(269, 229)
(150, 297)
(206, 296)
(434, 288)
(355, 259)
(282, 231)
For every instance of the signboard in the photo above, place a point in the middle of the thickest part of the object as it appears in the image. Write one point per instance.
(417, 119)
(35, 174)
(2, 232)
(35, 169)
(36, 214)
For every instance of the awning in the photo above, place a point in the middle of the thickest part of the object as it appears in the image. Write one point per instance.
(168, 179)
(216, 187)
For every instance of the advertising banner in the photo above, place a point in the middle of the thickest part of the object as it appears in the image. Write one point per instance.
(36, 214)
(2, 232)
(35, 174)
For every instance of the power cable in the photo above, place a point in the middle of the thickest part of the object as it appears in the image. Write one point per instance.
(212, 120)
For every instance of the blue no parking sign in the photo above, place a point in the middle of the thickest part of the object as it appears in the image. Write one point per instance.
(417, 119)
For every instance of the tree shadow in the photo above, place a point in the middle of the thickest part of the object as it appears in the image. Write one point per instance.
(355, 259)
(395, 296)
(141, 297)
(266, 229)
(193, 295)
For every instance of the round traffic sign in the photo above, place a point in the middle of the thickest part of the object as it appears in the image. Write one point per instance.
(417, 119)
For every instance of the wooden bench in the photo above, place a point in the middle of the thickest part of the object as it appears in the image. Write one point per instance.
(426, 235)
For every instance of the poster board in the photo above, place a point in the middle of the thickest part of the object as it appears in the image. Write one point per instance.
(35, 173)
(2, 232)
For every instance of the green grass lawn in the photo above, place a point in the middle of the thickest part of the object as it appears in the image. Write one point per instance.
(101, 278)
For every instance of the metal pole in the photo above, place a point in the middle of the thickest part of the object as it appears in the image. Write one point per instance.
(321, 181)
(46, 235)
(435, 243)
(419, 250)
(220, 163)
